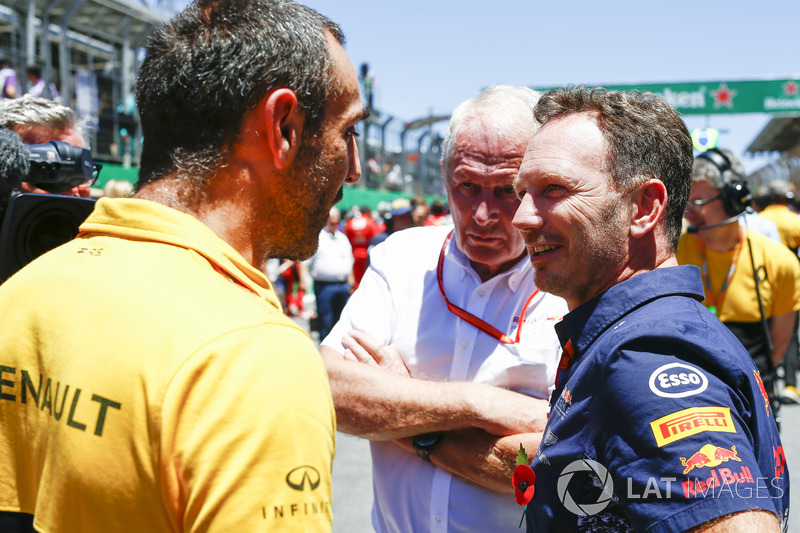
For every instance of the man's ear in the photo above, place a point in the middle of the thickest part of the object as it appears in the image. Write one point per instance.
(283, 122)
(650, 205)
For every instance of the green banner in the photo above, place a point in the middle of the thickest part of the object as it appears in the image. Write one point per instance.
(725, 97)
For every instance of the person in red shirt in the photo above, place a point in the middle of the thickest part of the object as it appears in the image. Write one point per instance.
(360, 230)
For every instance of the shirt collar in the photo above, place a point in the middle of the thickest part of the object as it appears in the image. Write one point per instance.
(588, 321)
(151, 221)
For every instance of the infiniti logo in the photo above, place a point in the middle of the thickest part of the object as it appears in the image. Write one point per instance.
(302, 475)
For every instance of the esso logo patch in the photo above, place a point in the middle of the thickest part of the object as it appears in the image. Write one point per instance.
(677, 380)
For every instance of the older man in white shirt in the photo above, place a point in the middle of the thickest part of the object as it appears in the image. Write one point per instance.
(445, 356)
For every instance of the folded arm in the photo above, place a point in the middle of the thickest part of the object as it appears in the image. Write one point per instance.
(480, 458)
(484, 425)
(380, 404)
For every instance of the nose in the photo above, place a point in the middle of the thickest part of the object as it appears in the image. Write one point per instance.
(354, 162)
(527, 216)
(486, 211)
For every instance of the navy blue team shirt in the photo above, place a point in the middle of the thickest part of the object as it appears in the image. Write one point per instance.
(662, 422)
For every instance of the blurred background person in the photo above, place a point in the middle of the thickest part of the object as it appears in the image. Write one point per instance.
(398, 219)
(38, 85)
(360, 230)
(438, 215)
(331, 270)
(117, 189)
(778, 201)
(9, 88)
(421, 209)
(780, 195)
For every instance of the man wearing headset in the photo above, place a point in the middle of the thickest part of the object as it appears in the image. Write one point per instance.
(731, 257)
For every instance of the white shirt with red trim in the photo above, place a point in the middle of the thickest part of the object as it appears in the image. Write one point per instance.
(399, 304)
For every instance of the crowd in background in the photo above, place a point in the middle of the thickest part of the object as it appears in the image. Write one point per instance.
(13, 86)
(363, 227)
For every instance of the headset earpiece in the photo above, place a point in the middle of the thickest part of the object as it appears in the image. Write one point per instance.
(735, 193)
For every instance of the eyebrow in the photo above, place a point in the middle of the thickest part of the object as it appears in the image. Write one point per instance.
(365, 114)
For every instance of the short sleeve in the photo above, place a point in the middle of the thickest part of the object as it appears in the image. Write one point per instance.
(677, 441)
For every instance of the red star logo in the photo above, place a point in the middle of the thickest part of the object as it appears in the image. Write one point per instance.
(723, 96)
(790, 89)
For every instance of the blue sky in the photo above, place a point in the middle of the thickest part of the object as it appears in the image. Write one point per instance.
(428, 56)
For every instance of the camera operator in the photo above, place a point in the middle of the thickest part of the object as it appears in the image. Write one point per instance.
(31, 224)
(39, 121)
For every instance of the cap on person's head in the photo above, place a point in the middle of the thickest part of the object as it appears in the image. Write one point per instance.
(401, 206)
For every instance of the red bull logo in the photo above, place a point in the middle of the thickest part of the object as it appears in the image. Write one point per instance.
(709, 456)
(780, 461)
(719, 478)
(692, 421)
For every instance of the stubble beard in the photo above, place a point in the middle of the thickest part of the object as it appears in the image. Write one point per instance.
(303, 220)
(604, 245)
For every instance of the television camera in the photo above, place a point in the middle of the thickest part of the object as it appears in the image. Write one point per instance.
(33, 223)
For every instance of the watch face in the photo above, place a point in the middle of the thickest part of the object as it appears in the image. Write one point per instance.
(424, 444)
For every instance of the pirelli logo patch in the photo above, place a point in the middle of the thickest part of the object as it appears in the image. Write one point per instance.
(692, 421)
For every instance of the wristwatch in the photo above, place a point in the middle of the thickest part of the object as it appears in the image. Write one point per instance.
(425, 443)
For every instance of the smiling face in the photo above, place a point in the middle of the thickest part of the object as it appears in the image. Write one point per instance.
(574, 222)
(481, 195)
(710, 212)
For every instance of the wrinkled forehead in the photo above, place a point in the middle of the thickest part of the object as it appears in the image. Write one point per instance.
(492, 145)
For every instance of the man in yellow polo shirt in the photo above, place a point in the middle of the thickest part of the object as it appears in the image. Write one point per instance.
(779, 194)
(731, 258)
(149, 380)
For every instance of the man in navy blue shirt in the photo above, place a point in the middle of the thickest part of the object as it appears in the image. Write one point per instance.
(659, 420)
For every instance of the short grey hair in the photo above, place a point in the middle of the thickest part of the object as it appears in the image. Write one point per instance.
(27, 112)
(506, 103)
(705, 170)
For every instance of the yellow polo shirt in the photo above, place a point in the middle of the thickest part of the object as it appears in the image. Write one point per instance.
(779, 278)
(149, 381)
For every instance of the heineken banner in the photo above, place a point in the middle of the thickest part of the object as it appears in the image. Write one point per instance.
(715, 97)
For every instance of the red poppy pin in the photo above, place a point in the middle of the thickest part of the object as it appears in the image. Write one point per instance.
(523, 480)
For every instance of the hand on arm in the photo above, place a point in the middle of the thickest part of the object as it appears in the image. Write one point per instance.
(383, 404)
(483, 459)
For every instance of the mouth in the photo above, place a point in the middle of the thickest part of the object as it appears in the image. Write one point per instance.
(539, 250)
(482, 239)
(540, 253)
